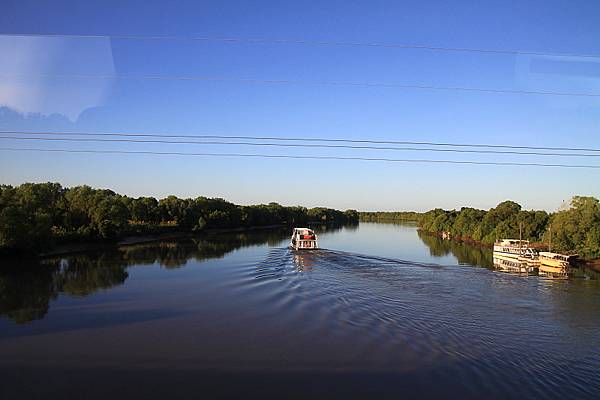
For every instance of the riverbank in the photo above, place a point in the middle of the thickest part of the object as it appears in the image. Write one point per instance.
(593, 264)
(388, 220)
(463, 239)
(572, 230)
(41, 217)
(76, 248)
(79, 248)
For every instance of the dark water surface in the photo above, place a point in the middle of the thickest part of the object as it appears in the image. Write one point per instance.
(380, 312)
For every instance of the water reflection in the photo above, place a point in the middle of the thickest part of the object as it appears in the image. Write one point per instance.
(304, 261)
(83, 275)
(25, 292)
(483, 257)
(464, 253)
(370, 303)
(27, 287)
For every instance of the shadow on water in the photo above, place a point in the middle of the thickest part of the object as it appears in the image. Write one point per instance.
(27, 286)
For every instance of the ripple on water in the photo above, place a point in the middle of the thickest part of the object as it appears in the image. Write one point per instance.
(405, 316)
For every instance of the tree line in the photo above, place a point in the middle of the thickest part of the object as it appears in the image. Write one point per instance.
(575, 229)
(38, 216)
(389, 216)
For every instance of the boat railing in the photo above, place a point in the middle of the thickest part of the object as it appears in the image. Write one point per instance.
(511, 242)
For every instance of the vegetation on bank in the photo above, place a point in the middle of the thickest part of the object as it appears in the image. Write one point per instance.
(574, 230)
(389, 216)
(35, 217)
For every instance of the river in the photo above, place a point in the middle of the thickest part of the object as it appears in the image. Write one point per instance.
(379, 311)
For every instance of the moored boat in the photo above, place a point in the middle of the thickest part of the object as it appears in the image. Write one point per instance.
(303, 239)
(555, 264)
(515, 255)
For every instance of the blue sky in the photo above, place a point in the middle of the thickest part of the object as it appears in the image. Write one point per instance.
(237, 108)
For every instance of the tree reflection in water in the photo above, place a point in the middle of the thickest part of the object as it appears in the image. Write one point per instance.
(464, 253)
(27, 287)
(85, 274)
(481, 256)
(26, 290)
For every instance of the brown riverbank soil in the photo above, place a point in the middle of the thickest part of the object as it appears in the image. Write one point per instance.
(592, 264)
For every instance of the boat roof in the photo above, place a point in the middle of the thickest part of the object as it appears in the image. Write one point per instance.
(551, 254)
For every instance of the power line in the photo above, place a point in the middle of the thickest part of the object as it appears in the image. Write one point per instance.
(307, 42)
(201, 78)
(422, 161)
(263, 144)
(303, 139)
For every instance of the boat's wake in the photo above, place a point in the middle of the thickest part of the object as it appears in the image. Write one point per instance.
(285, 260)
(368, 260)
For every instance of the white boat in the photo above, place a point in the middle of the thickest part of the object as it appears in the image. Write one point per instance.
(303, 239)
(514, 249)
(515, 255)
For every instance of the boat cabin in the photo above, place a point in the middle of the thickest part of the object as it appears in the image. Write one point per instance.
(303, 239)
(556, 257)
(511, 243)
(514, 248)
(555, 265)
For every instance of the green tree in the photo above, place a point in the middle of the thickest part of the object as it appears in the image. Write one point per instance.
(578, 228)
(109, 217)
(144, 209)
